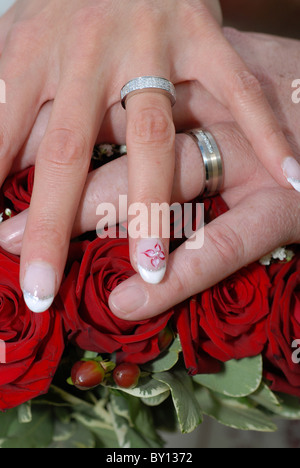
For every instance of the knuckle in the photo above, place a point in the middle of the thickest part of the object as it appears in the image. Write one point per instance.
(25, 36)
(195, 267)
(227, 243)
(284, 215)
(46, 231)
(187, 274)
(148, 15)
(152, 126)
(146, 198)
(230, 136)
(63, 147)
(273, 133)
(246, 87)
(87, 18)
(180, 281)
(20, 31)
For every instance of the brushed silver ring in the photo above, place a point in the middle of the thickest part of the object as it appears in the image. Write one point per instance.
(212, 159)
(146, 83)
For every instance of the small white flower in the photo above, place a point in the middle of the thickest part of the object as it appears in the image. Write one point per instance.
(123, 150)
(8, 212)
(280, 254)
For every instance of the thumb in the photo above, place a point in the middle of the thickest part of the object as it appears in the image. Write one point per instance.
(230, 242)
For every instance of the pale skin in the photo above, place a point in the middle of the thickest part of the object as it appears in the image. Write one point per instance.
(262, 215)
(66, 53)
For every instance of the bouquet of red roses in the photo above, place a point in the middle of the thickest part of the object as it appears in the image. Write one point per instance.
(232, 352)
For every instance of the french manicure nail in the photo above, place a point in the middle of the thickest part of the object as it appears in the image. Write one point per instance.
(291, 170)
(39, 286)
(128, 299)
(151, 259)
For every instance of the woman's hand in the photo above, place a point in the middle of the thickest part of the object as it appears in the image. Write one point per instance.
(262, 215)
(80, 55)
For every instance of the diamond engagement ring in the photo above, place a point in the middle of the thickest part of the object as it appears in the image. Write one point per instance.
(144, 83)
(213, 161)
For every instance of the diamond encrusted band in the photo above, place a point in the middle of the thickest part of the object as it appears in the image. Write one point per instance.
(139, 85)
(213, 162)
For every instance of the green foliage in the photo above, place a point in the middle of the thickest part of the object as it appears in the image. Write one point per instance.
(110, 417)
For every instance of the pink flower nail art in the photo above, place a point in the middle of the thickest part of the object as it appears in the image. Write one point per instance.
(157, 255)
(152, 260)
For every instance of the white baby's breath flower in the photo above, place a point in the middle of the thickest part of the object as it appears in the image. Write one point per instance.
(8, 212)
(280, 254)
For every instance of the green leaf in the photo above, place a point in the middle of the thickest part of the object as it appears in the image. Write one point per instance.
(72, 435)
(130, 436)
(237, 379)
(90, 355)
(24, 413)
(36, 434)
(157, 400)
(6, 420)
(289, 407)
(265, 398)
(59, 397)
(233, 412)
(137, 415)
(166, 360)
(99, 423)
(187, 408)
(147, 388)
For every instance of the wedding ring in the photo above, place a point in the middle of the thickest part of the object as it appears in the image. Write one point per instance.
(143, 83)
(213, 161)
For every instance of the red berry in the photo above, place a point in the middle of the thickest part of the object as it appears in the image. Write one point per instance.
(127, 375)
(87, 374)
(165, 338)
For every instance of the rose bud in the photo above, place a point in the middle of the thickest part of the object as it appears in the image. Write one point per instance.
(127, 375)
(87, 374)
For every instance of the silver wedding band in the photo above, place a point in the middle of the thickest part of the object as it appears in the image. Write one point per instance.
(144, 83)
(212, 159)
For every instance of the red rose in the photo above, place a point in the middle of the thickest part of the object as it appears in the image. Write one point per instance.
(87, 317)
(284, 328)
(214, 207)
(31, 344)
(197, 361)
(18, 189)
(228, 321)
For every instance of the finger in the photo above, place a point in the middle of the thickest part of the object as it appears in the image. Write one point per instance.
(27, 155)
(61, 168)
(187, 114)
(230, 242)
(151, 164)
(6, 22)
(105, 185)
(231, 82)
(22, 95)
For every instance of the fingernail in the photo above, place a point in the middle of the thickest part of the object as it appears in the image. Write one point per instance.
(151, 259)
(128, 299)
(39, 287)
(12, 230)
(291, 170)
